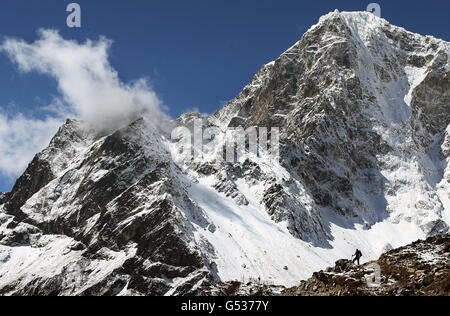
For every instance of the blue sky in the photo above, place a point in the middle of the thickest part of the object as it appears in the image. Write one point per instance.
(196, 53)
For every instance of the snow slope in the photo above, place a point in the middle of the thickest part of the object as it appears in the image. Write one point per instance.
(364, 111)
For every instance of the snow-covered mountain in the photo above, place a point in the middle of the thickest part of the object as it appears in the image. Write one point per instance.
(364, 112)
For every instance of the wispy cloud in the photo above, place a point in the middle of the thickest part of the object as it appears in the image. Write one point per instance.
(90, 89)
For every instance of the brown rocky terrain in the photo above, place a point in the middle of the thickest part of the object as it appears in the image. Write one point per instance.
(242, 289)
(420, 269)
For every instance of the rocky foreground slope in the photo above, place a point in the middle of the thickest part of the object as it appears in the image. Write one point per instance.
(420, 269)
(364, 112)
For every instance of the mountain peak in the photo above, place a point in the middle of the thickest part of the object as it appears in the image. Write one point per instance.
(363, 109)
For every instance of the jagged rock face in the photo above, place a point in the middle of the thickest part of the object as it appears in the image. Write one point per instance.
(420, 269)
(27, 185)
(118, 200)
(3, 197)
(431, 98)
(364, 112)
(446, 144)
(47, 164)
(359, 102)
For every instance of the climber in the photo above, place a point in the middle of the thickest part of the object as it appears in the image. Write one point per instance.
(357, 256)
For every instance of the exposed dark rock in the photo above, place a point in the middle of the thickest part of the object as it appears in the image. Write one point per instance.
(3, 197)
(349, 145)
(37, 175)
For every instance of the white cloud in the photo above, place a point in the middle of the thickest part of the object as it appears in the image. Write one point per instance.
(90, 89)
(89, 85)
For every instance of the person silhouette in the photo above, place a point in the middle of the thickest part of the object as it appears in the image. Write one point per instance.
(357, 256)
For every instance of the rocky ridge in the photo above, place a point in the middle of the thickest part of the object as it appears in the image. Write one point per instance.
(365, 117)
(419, 269)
